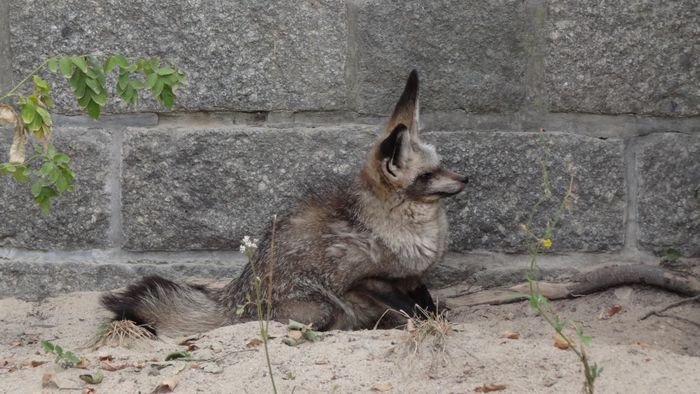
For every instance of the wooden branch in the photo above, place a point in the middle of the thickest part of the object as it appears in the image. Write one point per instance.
(600, 278)
(669, 306)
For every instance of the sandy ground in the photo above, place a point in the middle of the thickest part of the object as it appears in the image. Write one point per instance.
(660, 354)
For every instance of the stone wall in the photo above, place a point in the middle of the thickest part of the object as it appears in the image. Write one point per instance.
(286, 93)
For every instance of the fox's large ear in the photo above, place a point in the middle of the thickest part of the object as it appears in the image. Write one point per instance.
(394, 150)
(407, 109)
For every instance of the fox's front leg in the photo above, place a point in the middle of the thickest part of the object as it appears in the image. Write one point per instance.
(410, 295)
(422, 298)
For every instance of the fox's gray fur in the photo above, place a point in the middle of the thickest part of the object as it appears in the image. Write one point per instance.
(348, 252)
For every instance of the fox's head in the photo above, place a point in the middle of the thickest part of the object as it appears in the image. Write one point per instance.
(406, 165)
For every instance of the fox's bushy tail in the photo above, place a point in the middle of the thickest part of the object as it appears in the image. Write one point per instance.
(167, 308)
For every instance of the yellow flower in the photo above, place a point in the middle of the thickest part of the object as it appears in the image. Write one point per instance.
(547, 243)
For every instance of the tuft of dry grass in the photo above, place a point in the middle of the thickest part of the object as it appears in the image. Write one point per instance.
(122, 333)
(432, 329)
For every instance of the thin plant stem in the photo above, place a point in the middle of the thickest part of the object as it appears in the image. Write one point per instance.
(536, 300)
(30, 75)
(269, 305)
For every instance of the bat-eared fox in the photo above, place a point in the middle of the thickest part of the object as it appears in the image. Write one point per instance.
(349, 251)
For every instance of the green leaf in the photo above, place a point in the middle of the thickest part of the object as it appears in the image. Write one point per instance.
(157, 88)
(71, 358)
(53, 65)
(61, 184)
(61, 158)
(66, 66)
(40, 83)
(128, 94)
(80, 91)
(47, 168)
(50, 151)
(313, 336)
(136, 84)
(54, 175)
(77, 79)
(94, 110)
(151, 80)
(121, 61)
(91, 73)
(21, 174)
(170, 80)
(47, 346)
(295, 325)
(49, 103)
(123, 81)
(48, 192)
(80, 62)
(100, 99)
(44, 205)
(94, 85)
(58, 349)
(165, 71)
(45, 116)
(168, 97)
(92, 379)
(111, 63)
(28, 111)
(7, 168)
(176, 355)
(85, 100)
(36, 124)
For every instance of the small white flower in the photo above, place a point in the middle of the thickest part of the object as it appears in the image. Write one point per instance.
(248, 245)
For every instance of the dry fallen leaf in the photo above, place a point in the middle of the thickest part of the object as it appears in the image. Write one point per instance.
(186, 341)
(294, 334)
(614, 310)
(490, 387)
(84, 363)
(411, 327)
(166, 386)
(48, 381)
(106, 358)
(510, 335)
(36, 363)
(89, 390)
(107, 366)
(211, 368)
(641, 344)
(8, 115)
(254, 342)
(560, 342)
(382, 387)
(139, 364)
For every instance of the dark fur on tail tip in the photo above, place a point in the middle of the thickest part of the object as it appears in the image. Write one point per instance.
(124, 304)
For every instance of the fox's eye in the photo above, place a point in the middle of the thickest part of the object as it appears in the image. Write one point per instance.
(425, 176)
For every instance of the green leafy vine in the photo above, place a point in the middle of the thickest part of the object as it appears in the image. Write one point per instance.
(48, 170)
